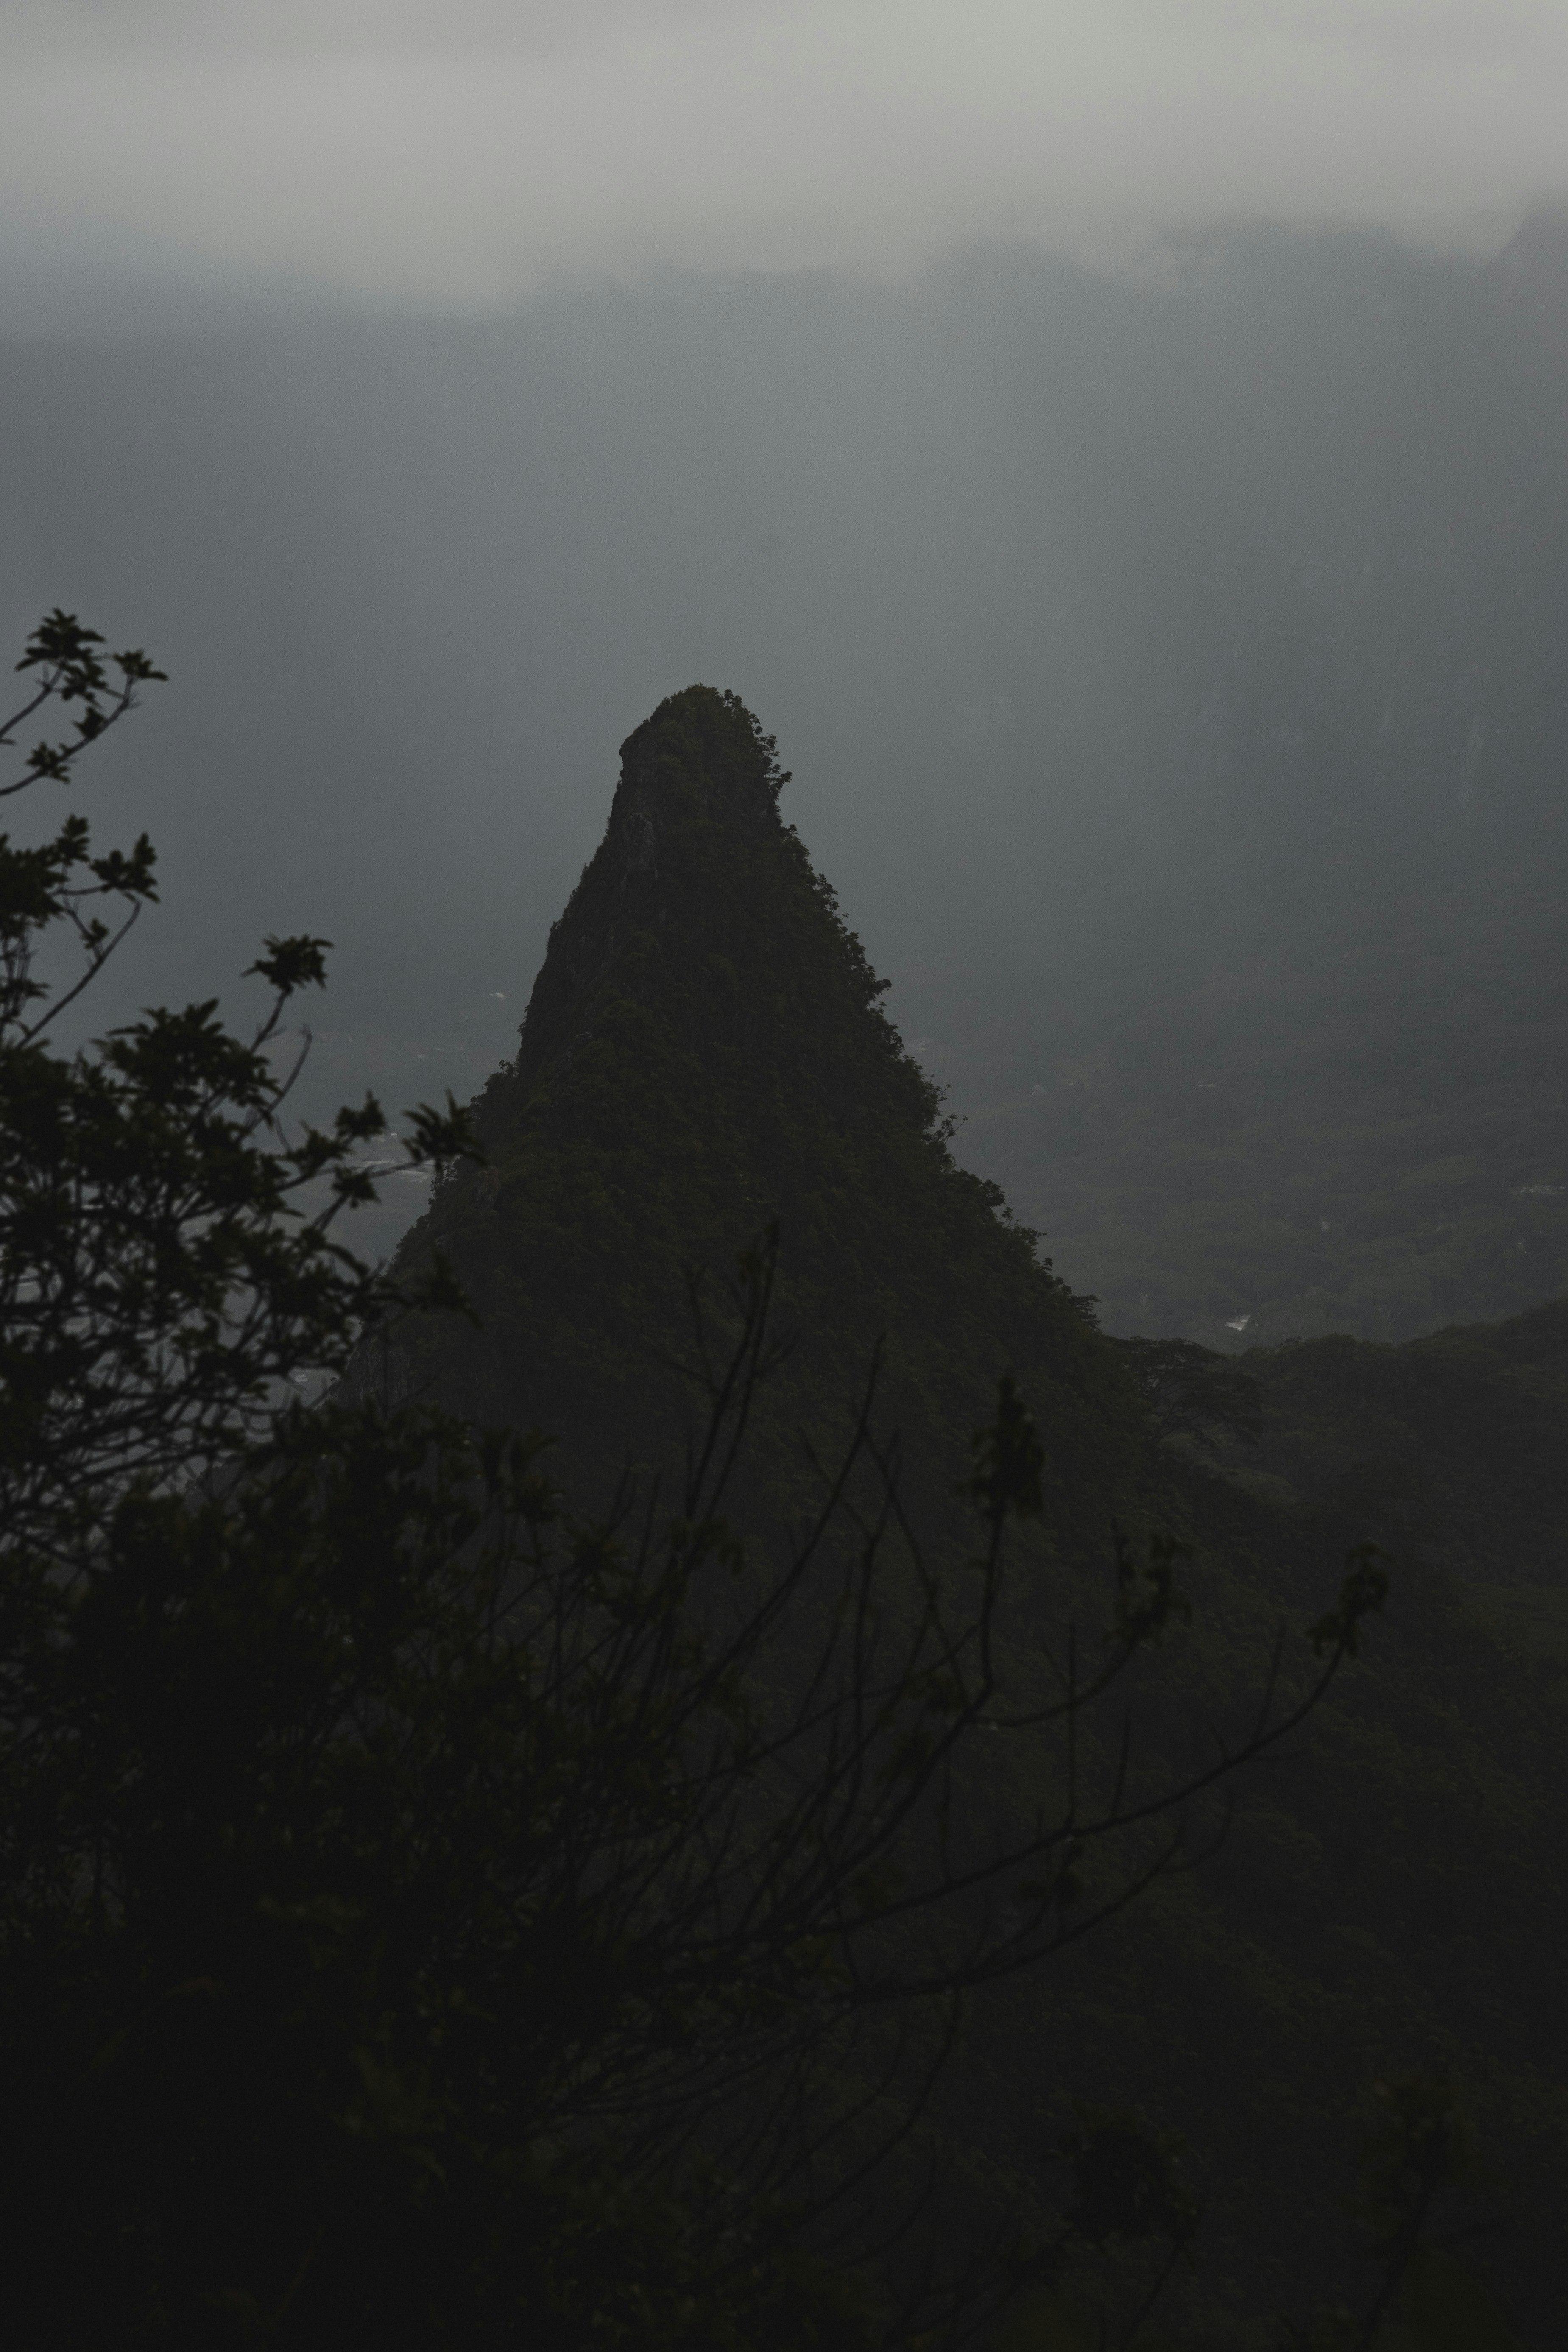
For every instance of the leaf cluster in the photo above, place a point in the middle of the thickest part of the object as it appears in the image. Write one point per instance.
(167, 1257)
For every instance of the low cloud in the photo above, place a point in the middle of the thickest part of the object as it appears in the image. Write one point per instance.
(459, 155)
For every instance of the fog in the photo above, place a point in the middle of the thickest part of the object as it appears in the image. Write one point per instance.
(395, 153)
(1161, 610)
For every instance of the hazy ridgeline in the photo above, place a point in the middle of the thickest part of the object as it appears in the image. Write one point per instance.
(1171, 667)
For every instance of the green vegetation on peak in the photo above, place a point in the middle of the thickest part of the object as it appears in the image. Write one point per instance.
(705, 1055)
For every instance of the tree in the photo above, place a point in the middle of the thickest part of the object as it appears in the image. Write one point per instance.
(1194, 1393)
(425, 1913)
(157, 1281)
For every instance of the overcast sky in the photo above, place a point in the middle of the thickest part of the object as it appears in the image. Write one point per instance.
(456, 153)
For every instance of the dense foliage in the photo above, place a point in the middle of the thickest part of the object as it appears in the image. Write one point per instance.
(156, 1282)
(704, 1031)
(435, 1909)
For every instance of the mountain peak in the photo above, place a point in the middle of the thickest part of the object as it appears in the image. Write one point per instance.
(702, 742)
(704, 1055)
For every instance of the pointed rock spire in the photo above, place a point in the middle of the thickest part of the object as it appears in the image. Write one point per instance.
(704, 1053)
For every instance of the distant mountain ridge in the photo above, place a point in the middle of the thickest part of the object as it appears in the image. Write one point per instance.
(1453, 1446)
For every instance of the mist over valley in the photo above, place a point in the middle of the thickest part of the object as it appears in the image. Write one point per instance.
(1169, 663)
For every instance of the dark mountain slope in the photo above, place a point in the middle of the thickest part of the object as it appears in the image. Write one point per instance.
(704, 1054)
(1455, 1445)
(1450, 1450)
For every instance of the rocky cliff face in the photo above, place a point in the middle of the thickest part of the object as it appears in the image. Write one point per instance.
(703, 1056)
(699, 759)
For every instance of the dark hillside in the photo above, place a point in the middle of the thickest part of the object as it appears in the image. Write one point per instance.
(1451, 1451)
(704, 1052)
(1455, 1445)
